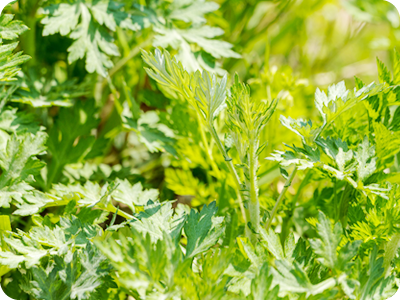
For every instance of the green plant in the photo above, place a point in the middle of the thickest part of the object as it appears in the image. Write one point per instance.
(163, 177)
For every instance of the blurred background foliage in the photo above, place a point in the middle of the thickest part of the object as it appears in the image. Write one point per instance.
(129, 129)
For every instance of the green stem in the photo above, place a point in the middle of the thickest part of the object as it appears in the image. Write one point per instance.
(254, 206)
(112, 209)
(391, 250)
(135, 51)
(280, 197)
(114, 92)
(28, 40)
(207, 148)
(232, 170)
(344, 205)
(287, 221)
(121, 63)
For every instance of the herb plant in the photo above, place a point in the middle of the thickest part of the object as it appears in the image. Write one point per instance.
(154, 150)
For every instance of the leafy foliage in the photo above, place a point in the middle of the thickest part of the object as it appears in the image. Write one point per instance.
(162, 176)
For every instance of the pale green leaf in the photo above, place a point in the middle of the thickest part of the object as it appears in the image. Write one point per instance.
(133, 195)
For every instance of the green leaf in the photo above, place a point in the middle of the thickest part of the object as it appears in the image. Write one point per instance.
(261, 285)
(335, 92)
(339, 100)
(46, 92)
(290, 246)
(71, 279)
(10, 61)
(202, 230)
(9, 29)
(182, 182)
(158, 219)
(5, 223)
(374, 274)
(326, 246)
(365, 156)
(22, 252)
(88, 24)
(396, 67)
(202, 90)
(192, 11)
(273, 243)
(19, 164)
(157, 137)
(257, 256)
(338, 150)
(141, 265)
(210, 95)
(133, 195)
(384, 74)
(387, 144)
(246, 116)
(180, 25)
(305, 129)
(34, 202)
(293, 279)
(349, 286)
(203, 37)
(182, 39)
(71, 139)
(13, 121)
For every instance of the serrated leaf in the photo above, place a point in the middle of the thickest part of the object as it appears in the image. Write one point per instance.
(365, 156)
(202, 230)
(273, 243)
(375, 273)
(261, 285)
(19, 164)
(9, 29)
(387, 143)
(157, 137)
(383, 72)
(210, 94)
(46, 92)
(202, 90)
(326, 246)
(75, 279)
(87, 23)
(193, 11)
(133, 195)
(14, 121)
(9, 62)
(157, 219)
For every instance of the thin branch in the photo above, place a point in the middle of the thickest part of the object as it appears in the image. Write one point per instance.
(231, 168)
(280, 197)
(123, 61)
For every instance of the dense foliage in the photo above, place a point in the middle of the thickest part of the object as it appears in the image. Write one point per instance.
(189, 149)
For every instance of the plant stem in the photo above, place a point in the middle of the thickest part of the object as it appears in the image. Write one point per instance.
(254, 206)
(112, 209)
(391, 250)
(232, 170)
(114, 92)
(344, 205)
(28, 40)
(207, 149)
(123, 61)
(280, 197)
(287, 220)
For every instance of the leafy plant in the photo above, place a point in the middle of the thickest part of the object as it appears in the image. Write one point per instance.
(165, 176)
